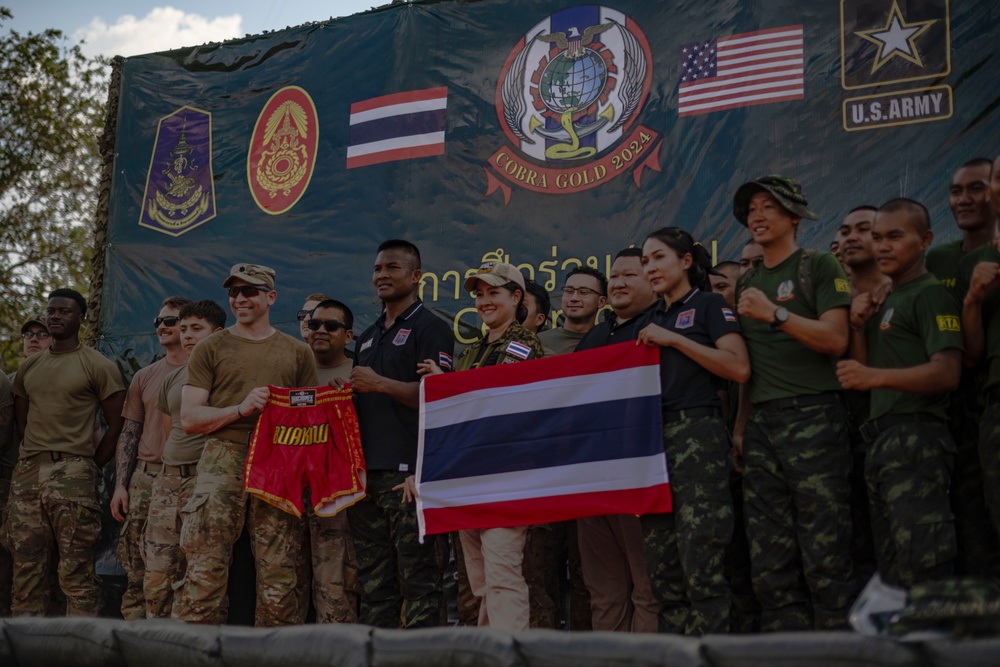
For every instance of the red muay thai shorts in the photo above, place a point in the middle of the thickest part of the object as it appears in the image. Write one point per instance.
(307, 438)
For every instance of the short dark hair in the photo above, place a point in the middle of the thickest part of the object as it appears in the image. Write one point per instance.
(727, 264)
(978, 162)
(342, 307)
(541, 297)
(629, 252)
(207, 310)
(174, 302)
(917, 210)
(67, 293)
(863, 207)
(405, 246)
(593, 273)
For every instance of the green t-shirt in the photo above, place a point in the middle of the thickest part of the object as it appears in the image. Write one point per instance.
(64, 391)
(783, 367)
(180, 448)
(990, 309)
(342, 372)
(916, 321)
(560, 341)
(943, 260)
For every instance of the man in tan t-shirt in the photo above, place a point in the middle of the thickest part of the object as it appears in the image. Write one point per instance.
(54, 516)
(227, 385)
(137, 457)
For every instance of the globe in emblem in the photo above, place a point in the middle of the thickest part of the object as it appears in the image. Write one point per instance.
(573, 83)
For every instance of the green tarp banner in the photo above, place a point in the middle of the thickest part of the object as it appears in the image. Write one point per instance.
(548, 133)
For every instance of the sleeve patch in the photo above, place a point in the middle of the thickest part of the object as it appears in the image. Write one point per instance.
(948, 323)
(841, 285)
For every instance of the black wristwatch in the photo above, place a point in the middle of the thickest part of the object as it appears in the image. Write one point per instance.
(780, 317)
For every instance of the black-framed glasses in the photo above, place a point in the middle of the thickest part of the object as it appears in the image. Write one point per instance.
(37, 335)
(329, 325)
(582, 292)
(302, 315)
(170, 321)
(249, 291)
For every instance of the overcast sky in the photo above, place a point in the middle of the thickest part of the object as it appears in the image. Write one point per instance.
(115, 27)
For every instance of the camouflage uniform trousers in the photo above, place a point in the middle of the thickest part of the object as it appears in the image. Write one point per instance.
(685, 548)
(796, 492)
(6, 564)
(392, 564)
(165, 564)
(541, 572)
(908, 470)
(989, 456)
(211, 522)
(131, 552)
(54, 516)
(745, 616)
(329, 567)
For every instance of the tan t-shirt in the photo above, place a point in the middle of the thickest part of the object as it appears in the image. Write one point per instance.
(343, 371)
(64, 391)
(180, 448)
(140, 406)
(560, 341)
(228, 367)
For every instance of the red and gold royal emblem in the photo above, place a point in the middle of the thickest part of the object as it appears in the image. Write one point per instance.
(283, 150)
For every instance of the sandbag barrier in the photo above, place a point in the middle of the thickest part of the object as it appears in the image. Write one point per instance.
(100, 642)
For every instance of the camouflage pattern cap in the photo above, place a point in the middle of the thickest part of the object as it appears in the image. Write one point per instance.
(785, 190)
(495, 273)
(34, 319)
(252, 274)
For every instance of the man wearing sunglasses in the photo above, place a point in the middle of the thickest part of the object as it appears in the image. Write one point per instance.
(305, 312)
(227, 386)
(137, 456)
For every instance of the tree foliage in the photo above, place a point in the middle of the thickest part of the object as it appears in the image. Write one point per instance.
(52, 107)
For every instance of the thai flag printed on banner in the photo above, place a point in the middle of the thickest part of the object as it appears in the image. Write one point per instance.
(544, 440)
(397, 127)
(741, 70)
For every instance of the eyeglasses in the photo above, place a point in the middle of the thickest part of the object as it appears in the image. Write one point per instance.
(302, 314)
(582, 292)
(329, 325)
(37, 335)
(170, 321)
(249, 291)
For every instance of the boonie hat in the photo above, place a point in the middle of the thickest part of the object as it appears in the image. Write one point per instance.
(34, 319)
(495, 273)
(252, 274)
(785, 190)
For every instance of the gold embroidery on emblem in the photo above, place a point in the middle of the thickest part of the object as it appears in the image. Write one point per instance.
(285, 162)
(164, 208)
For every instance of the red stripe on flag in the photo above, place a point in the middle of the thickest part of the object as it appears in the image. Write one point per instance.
(395, 154)
(400, 98)
(599, 360)
(531, 511)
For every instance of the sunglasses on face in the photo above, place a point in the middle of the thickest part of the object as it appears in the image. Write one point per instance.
(302, 315)
(169, 321)
(329, 325)
(249, 291)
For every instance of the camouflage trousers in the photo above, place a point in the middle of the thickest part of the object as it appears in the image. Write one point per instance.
(54, 517)
(163, 581)
(393, 566)
(685, 549)
(908, 471)
(989, 456)
(796, 493)
(541, 572)
(211, 522)
(131, 551)
(6, 564)
(328, 568)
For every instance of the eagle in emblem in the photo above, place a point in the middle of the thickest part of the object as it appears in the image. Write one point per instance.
(573, 43)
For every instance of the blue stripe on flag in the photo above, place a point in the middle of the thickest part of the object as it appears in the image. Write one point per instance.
(405, 125)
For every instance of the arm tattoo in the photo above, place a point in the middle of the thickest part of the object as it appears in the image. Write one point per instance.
(126, 454)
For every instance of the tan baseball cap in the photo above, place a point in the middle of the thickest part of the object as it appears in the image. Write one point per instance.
(495, 273)
(252, 274)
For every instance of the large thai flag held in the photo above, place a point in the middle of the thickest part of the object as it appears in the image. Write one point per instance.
(540, 441)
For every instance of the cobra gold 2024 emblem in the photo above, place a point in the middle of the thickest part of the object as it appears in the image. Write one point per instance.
(283, 150)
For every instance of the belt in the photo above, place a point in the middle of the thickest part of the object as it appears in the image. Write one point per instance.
(55, 456)
(185, 470)
(689, 413)
(149, 467)
(870, 430)
(826, 398)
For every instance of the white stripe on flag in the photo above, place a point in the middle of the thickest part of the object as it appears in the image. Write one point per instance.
(592, 477)
(544, 395)
(396, 143)
(398, 110)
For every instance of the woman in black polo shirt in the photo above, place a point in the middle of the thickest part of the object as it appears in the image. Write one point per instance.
(700, 346)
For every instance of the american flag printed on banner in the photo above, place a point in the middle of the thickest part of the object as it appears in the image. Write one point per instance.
(542, 440)
(400, 126)
(741, 70)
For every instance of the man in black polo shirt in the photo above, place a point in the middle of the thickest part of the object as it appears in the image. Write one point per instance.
(614, 567)
(387, 394)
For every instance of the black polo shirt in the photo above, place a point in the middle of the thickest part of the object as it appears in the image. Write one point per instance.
(610, 332)
(703, 317)
(389, 428)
